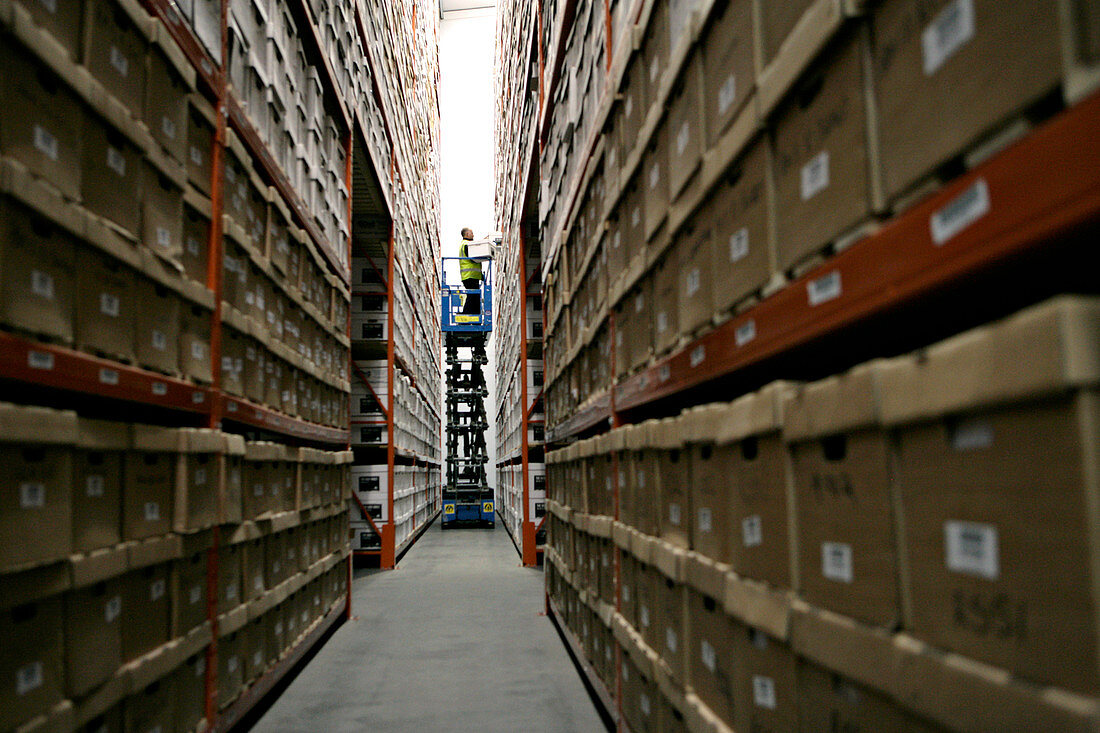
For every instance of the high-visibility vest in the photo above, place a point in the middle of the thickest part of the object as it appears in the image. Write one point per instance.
(469, 269)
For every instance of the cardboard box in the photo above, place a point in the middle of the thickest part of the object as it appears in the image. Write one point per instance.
(640, 338)
(822, 160)
(232, 480)
(93, 634)
(97, 484)
(195, 343)
(674, 481)
(635, 104)
(148, 610)
(639, 697)
(63, 21)
(729, 70)
(150, 476)
(255, 651)
(189, 595)
(950, 71)
(38, 262)
(736, 212)
(685, 123)
(200, 142)
(196, 243)
(777, 20)
(254, 568)
(32, 659)
(170, 80)
(36, 514)
(255, 371)
(766, 691)
(198, 480)
(116, 39)
(157, 326)
(665, 308)
(655, 181)
(711, 650)
(234, 345)
(162, 214)
(111, 179)
(152, 708)
(828, 701)
(106, 310)
(190, 685)
(693, 250)
(982, 496)
(42, 120)
(847, 552)
(230, 586)
(230, 667)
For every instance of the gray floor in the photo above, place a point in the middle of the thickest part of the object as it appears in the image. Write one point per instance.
(451, 640)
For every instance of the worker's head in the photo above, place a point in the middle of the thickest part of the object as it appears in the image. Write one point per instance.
(467, 233)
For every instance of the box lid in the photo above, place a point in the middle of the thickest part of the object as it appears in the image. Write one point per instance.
(37, 425)
(837, 404)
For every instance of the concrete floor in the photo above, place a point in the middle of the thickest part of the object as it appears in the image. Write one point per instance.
(451, 640)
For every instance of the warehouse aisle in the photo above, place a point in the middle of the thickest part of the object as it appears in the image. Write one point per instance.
(450, 641)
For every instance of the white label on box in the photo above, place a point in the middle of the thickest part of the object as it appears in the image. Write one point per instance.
(45, 142)
(959, 213)
(710, 657)
(28, 677)
(698, 355)
(664, 373)
(626, 593)
(815, 175)
(972, 548)
(164, 238)
(112, 609)
(276, 566)
(739, 244)
(662, 321)
(278, 627)
(616, 241)
(643, 616)
(160, 389)
(108, 376)
(196, 158)
(231, 664)
(671, 640)
(643, 703)
(109, 304)
(160, 340)
(972, 435)
(156, 589)
(42, 284)
(258, 582)
(94, 486)
(836, 561)
(745, 333)
(195, 594)
(628, 105)
(947, 33)
(193, 246)
(119, 61)
(654, 175)
(692, 283)
(250, 298)
(824, 288)
(706, 521)
(152, 511)
(200, 477)
(42, 360)
(198, 350)
(654, 68)
(168, 127)
(727, 94)
(752, 531)
(639, 303)
(674, 513)
(231, 590)
(32, 495)
(763, 691)
(50, 5)
(116, 161)
(683, 137)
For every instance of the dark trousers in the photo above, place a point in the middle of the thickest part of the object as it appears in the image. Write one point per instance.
(473, 300)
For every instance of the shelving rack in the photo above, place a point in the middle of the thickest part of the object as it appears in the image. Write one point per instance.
(304, 107)
(520, 418)
(609, 91)
(396, 339)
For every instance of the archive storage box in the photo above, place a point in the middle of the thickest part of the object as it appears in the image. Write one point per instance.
(996, 467)
(739, 484)
(729, 70)
(673, 494)
(98, 484)
(93, 634)
(33, 658)
(765, 681)
(847, 553)
(829, 700)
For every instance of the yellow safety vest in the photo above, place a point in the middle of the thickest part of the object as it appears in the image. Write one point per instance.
(469, 269)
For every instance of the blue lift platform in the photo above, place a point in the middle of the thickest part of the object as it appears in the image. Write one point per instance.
(467, 498)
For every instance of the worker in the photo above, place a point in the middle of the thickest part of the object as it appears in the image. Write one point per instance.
(470, 271)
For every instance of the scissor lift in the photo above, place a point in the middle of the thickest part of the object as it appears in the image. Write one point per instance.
(467, 498)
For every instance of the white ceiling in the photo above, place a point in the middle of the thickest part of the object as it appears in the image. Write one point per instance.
(448, 5)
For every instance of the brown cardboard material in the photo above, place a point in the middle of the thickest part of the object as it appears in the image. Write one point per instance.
(148, 608)
(62, 21)
(93, 635)
(162, 213)
(737, 208)
(37, 258)
(829, 701)
(665, 307)
(646, 493)
(777, 20)
(190, 684)
(111, 180)
(97, 484)
(40, 125)
(687, 138)
(655, 179)
(729, 73)
(639, 697)
(765, 682)
(31, 659)
(694, 276)
(106, 309)
(948, 72)
(229, 578)
(253, 569)
(197, 481)
(170, 79)
(822, 180)
(194, 346)
(860, 653)
(189, 595)
(230, 667)
(157, 326)
(200, 143)
(710, 654)
(152, 707)
(150, 471)
(196, 240)
(115, 44)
